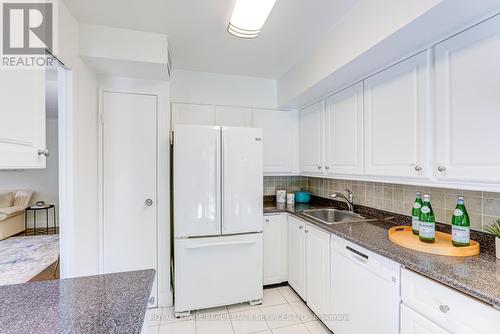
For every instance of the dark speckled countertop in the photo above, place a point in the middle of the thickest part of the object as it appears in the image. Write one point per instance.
(111, 303)
(477, 276)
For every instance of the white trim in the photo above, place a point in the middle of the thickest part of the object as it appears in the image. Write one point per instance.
(66, 169)
(161, 89)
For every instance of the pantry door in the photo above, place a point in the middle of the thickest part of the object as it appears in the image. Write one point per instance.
(129, 179)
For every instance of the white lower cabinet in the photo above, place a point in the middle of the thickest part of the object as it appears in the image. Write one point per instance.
(443, 307)
(275, 248)
(317, 269)
(297, 256)
(414, 323)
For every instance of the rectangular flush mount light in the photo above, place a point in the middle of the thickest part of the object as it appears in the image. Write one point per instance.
(249, 17)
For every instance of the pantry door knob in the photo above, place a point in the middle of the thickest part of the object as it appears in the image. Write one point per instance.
(444, 308)
(45, 152)
(441, 169)
(148, 202)
(418, 168)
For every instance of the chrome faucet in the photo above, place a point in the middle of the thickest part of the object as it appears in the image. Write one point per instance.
(349, 199)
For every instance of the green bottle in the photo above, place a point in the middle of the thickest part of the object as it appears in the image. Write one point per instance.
(415, 213)
(427, 222)
(460, 225)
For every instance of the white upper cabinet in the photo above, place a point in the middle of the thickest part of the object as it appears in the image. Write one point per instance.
(312, 139)
(22, 119)
(233, 116)
(396, 103)
(281, 131)
(193, 114)
(468, 105)
(344, 131)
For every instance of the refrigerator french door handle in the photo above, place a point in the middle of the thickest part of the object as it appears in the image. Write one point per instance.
(216, 244)
(223, 173)
(218, 182)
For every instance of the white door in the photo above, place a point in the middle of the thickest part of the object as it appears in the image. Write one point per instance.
(242, 180)
(217, 271)
(281, 136)
(192, 114)
(468, 105)
(312, 139)
(344, 131)
(414, 323)
(22, 125)
(396, 106)
(233, 116)
(297, 256)
(129, 183)
(273, 249)
(197, 180)
(318, 270)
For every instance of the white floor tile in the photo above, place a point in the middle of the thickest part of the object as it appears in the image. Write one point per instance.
(280, 316)
(303, 312)
(214, 324)
(248, 321)
(153, 329)
(295, 329)
(289, 294)
(272, 297)
(316, 327)
(179, 327)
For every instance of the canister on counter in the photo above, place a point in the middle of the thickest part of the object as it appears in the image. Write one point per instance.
(280, 196)
(290, 199)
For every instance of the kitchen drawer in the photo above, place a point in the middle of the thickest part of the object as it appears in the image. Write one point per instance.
(450, 309)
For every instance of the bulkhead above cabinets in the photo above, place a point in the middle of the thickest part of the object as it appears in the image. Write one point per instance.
(125, 53)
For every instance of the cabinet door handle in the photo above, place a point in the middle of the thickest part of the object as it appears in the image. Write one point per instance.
(307, 231)
(319, 167)
(444, 308)
(418, 168)
(267, 220)
(441, 169)
(301, 227)
(148, 202)
(327, 167)
(44, 152)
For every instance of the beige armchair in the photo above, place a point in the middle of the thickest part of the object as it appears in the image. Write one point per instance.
(12, 217)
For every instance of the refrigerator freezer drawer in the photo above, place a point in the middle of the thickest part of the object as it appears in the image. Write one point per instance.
(217, 271)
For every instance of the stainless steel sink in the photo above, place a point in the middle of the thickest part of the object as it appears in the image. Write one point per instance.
(334, 216)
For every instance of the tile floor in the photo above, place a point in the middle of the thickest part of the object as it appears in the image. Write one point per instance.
(282, 312)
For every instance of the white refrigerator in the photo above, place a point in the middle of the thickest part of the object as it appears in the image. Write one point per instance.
(218, 207)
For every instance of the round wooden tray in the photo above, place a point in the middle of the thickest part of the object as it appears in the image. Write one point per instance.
(403, 236)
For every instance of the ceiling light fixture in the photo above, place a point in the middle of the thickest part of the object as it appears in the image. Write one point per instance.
(249, 17)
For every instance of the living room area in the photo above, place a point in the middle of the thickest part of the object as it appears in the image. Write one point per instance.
(29, 206)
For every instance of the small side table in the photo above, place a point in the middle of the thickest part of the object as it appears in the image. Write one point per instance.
(35, 209)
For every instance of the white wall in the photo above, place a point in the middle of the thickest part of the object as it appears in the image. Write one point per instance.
(79, 220)
(372, 35)
(222, 89)
(44, 182)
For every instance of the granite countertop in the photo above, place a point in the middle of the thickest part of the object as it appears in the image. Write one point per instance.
(111, 303)
(477, 276)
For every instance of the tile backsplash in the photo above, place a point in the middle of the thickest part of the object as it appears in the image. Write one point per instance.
(483, 207)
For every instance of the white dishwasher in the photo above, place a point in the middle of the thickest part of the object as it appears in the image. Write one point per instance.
(365, 290)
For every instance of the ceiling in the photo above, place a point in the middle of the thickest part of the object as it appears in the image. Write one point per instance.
(197, 31)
